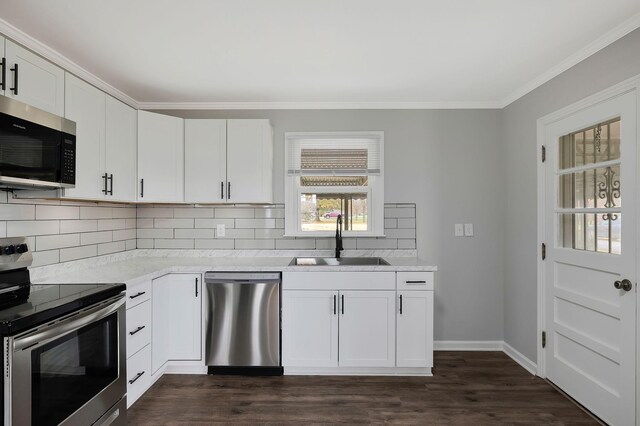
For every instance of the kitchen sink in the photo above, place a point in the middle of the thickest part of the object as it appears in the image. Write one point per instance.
(332, 261)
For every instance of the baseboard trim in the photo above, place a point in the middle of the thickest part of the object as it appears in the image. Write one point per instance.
(487, 345)
(517, 356)
(468, 345)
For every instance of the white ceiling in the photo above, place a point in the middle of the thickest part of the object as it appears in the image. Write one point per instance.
(314, 52)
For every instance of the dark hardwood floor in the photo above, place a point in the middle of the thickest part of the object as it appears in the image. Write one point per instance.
(468, 388)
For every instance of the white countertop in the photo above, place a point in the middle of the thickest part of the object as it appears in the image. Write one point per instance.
(139, 265)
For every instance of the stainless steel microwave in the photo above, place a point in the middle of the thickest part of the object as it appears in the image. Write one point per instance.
(37, 148)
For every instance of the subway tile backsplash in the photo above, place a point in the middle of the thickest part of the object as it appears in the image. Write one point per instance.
(62, 231)
(256, 228)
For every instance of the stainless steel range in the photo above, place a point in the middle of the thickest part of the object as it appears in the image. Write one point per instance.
(63, 347)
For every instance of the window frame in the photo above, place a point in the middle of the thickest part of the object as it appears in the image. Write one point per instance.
(374, 188)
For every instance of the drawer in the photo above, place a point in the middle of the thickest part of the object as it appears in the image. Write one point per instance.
(138, 374)
(338, 280)
(415, 280)
(138, 327)
(138, 293)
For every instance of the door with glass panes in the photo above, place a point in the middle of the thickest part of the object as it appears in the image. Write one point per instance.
(590, 266)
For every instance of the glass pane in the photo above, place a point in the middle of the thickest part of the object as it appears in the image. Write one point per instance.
(590, 188)
(334, 181)
(319, 212)
(593, 145)
(590, 231)
(71, 370)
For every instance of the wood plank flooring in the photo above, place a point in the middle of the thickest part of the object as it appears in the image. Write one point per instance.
(468, 388)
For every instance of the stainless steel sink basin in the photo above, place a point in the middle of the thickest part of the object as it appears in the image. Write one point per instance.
(332, 261)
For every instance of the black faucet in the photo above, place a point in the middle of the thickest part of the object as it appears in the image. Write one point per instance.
(339, 236)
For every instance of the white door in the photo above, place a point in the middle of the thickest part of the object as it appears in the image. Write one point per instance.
(249, 161)
(590, 233)
(85, 105)
(160, 157)
(121, 150)
(367, 335)
(34, 80)
(415, 329)
(309, 328)
(205, 161)
(185, 316)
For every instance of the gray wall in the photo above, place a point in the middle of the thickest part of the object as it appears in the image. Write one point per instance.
(448, 162)
(615, 63)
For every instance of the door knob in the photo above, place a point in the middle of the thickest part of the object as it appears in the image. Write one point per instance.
(623, 285)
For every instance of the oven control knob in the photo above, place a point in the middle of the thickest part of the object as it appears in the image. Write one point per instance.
(9, 249)
(22, 248)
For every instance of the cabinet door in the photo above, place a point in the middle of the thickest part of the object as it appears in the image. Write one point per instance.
(161, 322)
(309, 328)
(85, 105)
(415, 329)
(160, 157)
(205, 161)
(185, 313)
(121, 150)
(40, 83)
(6, 74)
(367, 329)
(249, 161)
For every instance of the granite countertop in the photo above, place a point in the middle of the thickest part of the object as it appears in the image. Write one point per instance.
(140, 265)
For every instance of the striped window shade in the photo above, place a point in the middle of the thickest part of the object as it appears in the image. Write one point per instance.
(334, 156)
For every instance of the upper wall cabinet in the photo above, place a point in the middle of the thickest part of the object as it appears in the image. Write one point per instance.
(160, 158)
(32, 79)
(229, 161)
(105, 143)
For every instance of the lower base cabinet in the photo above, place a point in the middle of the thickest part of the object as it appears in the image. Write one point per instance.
(138, 374)
(415, 329)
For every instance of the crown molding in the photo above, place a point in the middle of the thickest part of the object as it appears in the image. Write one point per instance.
(598, 44)
(62, 61)
(314, 105)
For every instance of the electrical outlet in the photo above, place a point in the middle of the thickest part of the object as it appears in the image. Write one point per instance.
(458, 230)
(468, 229)
(220, 230)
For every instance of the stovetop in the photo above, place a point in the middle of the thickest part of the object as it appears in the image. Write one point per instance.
(51, 301)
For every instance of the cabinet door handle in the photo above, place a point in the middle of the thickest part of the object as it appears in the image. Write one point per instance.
(222, 190)
(110, 184)
(228, 190)
(3, 64)
(137, 295)
(137, 330)
(141, 188)
(343, 304)
(15, 79)
(334, 305)
(400, 304)
(196, 287)
(416, 282)
(104, 187)
(132, 381)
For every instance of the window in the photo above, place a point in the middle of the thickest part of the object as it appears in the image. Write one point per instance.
(331, 174)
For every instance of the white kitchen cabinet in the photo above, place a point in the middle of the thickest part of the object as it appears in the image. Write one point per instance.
(177, 318)
(205, 158)
(249, 161)
(160, 157)
(121, 150)
(367, 334)
(228, 161)
(4, 84)
(34, 80)
(85, 105)
(310, 328)
(138, 374)
(415, 329)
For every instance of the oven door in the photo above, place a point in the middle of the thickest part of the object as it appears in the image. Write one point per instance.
(70, 372)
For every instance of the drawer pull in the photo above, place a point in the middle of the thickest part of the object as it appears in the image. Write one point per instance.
(132, 381)
(137, 295)
(137, 330)
(416, 282)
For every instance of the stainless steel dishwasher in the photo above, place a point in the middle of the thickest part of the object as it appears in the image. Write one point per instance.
(243, 323)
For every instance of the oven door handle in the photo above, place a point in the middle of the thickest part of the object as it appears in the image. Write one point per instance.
(67, 325)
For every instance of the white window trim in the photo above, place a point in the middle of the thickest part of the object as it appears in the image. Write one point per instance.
(374, 190)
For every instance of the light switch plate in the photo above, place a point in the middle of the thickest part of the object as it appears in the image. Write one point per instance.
(459, 230)
(468, 229)
(220, 230)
